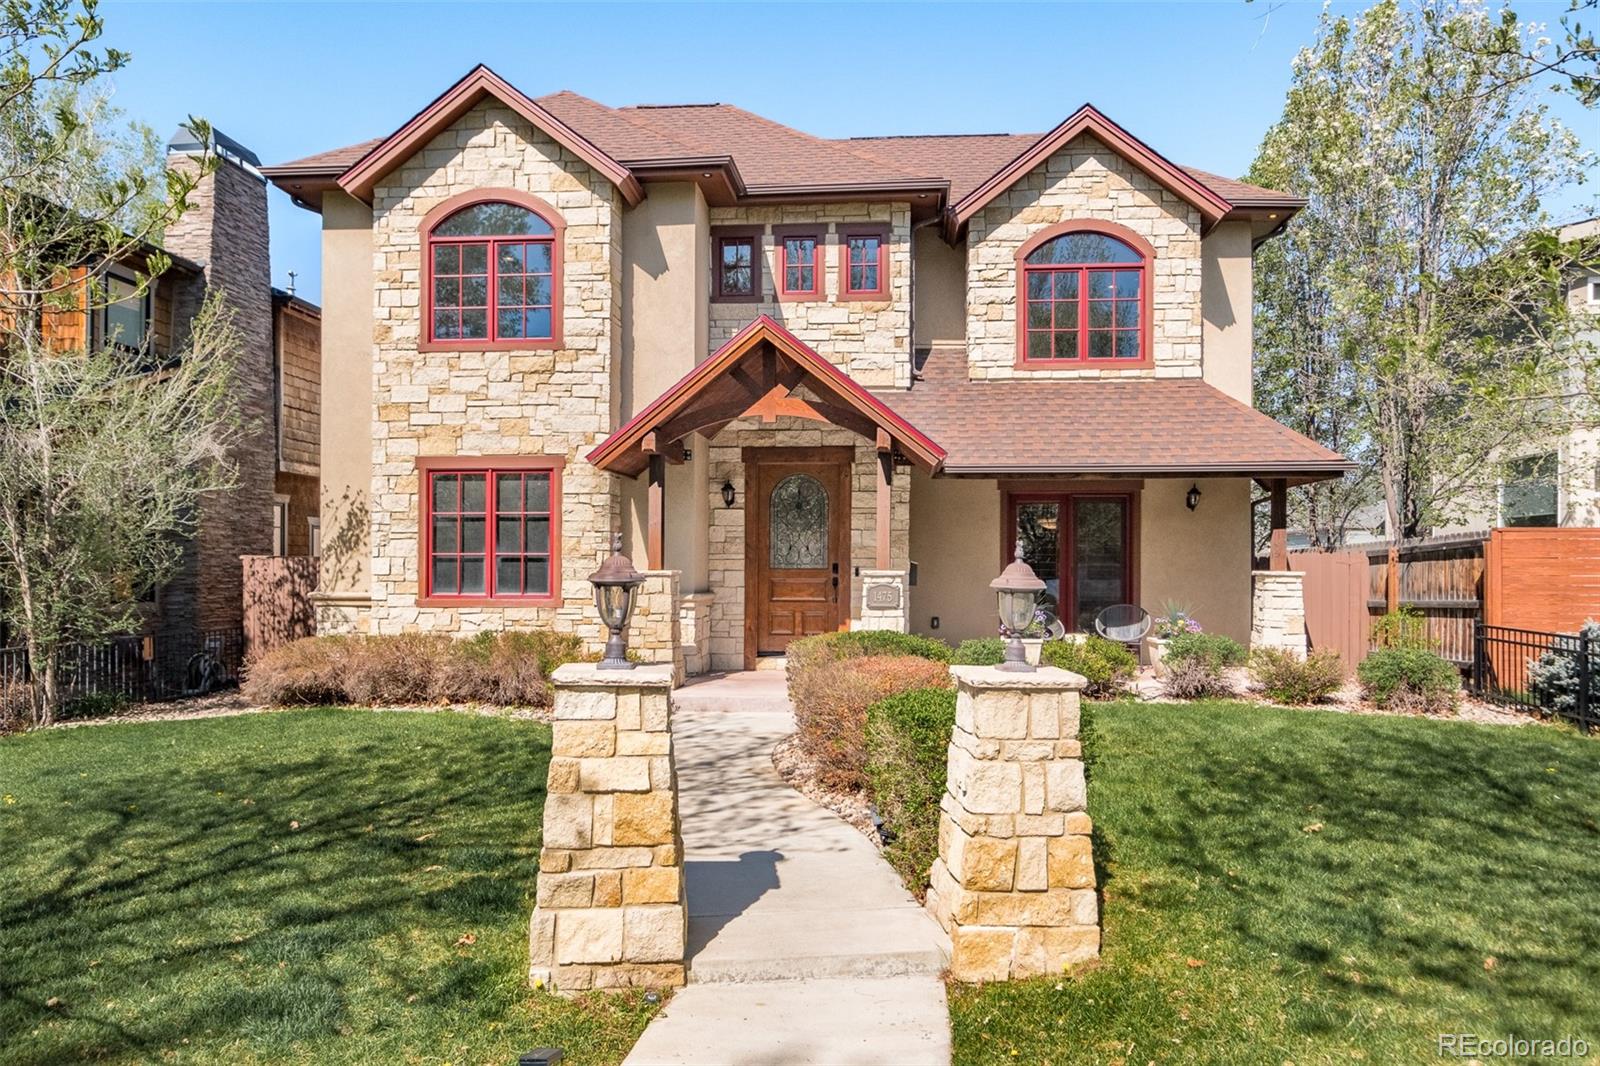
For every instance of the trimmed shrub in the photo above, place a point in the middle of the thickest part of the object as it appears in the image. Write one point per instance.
(831, 718)
(302, 673)
(986, 651)
(503, 668)
(907, 747)
(807, 671)
(1284, 677)
(1105, 664)
(1214, 649)
(1553, 677)
(1196, 678)
(1412, 680)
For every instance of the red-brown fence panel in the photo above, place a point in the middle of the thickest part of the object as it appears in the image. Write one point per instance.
(277, 601)
(1542, 579)
(1336, 603)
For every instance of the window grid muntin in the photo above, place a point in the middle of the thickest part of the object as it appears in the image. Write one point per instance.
(801, 276)
(493, 511)
(863, 263)
(745, 261)
(1118, 314)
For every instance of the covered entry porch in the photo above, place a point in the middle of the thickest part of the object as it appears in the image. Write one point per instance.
(774, 492)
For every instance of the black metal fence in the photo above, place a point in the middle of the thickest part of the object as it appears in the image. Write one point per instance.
(1553, 673)
(139, 669)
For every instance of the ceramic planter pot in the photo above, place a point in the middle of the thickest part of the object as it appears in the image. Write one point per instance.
(1157, 650)
(1031, 647)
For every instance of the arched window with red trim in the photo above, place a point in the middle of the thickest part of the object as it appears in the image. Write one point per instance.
(1085, 298)
(494, 274)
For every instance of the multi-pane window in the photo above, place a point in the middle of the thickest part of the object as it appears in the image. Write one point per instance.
(737, 275)
(489, 532)
(800, 273)
(1085, 300)
(492, 275)
(863, 263)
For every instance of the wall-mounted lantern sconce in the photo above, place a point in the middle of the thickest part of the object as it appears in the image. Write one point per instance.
(1192, 497)
(727, 494)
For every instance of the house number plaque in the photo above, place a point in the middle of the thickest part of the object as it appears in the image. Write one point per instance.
(883, 597)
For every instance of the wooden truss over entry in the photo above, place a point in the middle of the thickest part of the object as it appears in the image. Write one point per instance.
(764, 372)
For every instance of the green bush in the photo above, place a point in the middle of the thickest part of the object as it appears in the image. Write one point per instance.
(1214, 649)
(1286, 678)
(507, 669)
(1105, 664)
(985, 651)
(908, 743)
(1404, 629)
(1409, 679)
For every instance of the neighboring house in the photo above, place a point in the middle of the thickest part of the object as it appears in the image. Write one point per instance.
(221, 243)
(814, 383)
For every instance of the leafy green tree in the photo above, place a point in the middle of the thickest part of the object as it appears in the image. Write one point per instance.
(1414, 314)
(105, 454)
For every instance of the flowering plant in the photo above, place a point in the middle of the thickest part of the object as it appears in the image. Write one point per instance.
(1173, 621)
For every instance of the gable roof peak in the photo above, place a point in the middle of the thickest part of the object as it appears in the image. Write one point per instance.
(478, 83)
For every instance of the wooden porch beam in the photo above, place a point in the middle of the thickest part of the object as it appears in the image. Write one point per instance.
(655, 537)
(885, 500)
(670, 450)
(1278, 523)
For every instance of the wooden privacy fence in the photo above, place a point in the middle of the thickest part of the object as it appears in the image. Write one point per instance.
(277, 601)
(1531, 579)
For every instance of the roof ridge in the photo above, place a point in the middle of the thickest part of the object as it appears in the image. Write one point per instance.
(928, 136)
(775, 124)
(664, 107)
(637, 123)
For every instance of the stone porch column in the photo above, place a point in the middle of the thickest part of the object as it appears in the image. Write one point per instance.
(1278, 611)
(1014, 881)
(654, 632)
(610, 910)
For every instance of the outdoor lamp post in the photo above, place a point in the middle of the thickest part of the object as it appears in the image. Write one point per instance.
(1018, 588)
(613, 585)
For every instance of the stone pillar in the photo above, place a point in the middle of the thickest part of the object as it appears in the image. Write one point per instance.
(653, 630)
(883, 600)
(610, 910)
(1278, 611)
(694, 631)
(1014, 881)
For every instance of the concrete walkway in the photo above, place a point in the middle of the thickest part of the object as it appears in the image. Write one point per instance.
(803, 945)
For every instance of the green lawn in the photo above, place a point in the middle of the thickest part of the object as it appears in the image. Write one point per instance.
(1292, 886)
(330, 886)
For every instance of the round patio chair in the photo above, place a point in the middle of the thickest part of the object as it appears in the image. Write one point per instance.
(1125, 623)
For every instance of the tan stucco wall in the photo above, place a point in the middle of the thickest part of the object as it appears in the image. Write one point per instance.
(1084, 180)
(955, 542)
(465, 402)
(665, 279)
(939, 289)
(1227, 278)
(1200, 559)
(347, 413)
(870, 339)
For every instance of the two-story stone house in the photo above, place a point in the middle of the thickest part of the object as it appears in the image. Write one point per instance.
(814, 383)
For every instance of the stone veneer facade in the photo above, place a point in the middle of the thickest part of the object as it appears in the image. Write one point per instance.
(727, 549)
(1084, 180)
(869, 339)
(465, 402)
(1278, 611)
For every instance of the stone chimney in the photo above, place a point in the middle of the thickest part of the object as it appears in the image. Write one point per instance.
(225, 232)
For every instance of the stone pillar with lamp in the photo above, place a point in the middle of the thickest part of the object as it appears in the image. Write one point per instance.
(1014, 881)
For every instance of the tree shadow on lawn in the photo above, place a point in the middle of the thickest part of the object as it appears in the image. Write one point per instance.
(1444, 871)
(287, 890)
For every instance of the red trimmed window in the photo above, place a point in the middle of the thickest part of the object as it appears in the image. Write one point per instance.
(492, 276)
(799, 264)
(491, 532)
(1086, 300)
(864, 262)
(736, 268)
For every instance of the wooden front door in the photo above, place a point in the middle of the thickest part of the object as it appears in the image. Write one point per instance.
(797, 545)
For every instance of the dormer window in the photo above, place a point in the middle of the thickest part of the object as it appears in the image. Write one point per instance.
(494, 274)
(1085, 298)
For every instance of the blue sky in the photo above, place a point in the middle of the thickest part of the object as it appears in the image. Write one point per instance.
(1200, 81)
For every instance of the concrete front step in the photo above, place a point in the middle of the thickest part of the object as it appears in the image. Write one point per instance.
(747, 691)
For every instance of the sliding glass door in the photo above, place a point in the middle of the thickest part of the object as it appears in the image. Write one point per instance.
(1080, 545)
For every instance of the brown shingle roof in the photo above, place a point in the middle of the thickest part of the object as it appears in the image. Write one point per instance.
(769, 154)
(1104, 427)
